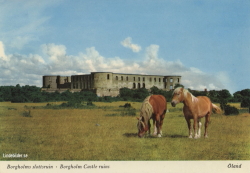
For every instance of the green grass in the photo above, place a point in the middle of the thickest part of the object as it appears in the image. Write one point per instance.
(105, 133)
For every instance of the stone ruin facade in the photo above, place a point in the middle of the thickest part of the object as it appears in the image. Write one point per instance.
(108, 83)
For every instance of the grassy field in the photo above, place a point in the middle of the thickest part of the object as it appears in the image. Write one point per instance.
(107, 132)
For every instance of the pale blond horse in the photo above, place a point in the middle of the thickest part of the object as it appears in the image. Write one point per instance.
(194, 108)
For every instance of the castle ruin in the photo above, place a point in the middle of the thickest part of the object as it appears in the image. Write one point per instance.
(108, 83)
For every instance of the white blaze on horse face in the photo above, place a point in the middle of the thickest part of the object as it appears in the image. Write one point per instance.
(178, 96)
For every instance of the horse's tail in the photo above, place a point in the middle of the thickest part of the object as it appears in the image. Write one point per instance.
(216, 108)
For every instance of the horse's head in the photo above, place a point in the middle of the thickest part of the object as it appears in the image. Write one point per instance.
(142, 129)
(178, 96)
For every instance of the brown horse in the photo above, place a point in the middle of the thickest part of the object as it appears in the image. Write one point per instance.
(194, 108)
(153, 107)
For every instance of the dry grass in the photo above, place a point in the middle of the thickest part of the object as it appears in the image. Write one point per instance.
(91, 134)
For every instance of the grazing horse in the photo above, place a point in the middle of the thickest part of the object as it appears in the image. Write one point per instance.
(153, 107)
(194, 108)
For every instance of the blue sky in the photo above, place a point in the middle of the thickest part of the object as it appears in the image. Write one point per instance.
(206, 42)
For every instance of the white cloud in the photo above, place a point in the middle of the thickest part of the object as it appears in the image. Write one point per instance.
(55, 52)
(2, 52)
(29, 69)
(152, 55)
(20, 41)
(128, 44)
(196, 70)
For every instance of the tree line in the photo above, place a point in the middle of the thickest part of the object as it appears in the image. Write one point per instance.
(21, 94)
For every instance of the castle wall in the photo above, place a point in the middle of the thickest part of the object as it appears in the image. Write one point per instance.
(56, 82)
(135, 81)
(170, 81)
(81, 82)
(109, 84)
(64, 79)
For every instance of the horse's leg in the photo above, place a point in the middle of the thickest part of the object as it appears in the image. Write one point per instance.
(195, 127)
(206, 124)
(189, 128)
(158, 122)
(155, 129)
(199, 128)
(149, 125)
(161, 122)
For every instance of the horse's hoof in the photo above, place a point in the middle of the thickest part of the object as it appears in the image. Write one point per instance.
(190, 137)
(159, 135)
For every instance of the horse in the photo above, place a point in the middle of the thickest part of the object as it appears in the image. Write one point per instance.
(153, 107)
(194, 108)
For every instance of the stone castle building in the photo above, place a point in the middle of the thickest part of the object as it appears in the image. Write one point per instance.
(108, 83)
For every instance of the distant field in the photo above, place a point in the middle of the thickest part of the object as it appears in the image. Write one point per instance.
(107, 132)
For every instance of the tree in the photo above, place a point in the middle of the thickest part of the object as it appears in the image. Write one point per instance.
(140, 94)
(245, 103)
(225, 94)
(237, 97)
(199, 93)
(87, 96)
(6, 93)
(66, 95)
(214, 96)
(245, 92)
(126, 94)
(178, 85)
(155, 90)
(1, 96)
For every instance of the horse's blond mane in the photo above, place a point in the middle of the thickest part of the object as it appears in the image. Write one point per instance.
(146, 109)
(186, 92)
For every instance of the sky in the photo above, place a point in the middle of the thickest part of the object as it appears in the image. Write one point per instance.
(206, 42)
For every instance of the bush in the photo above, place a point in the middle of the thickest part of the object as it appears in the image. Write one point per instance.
(74, 103)
(64, 105)
(126, 105)
(230, 110)
(107, 99)
(89, 103)
(129, 112)
(26, 114)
